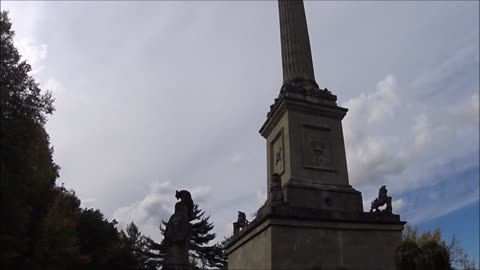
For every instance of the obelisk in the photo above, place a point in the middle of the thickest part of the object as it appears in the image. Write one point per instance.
(313, 218)
(296, 53)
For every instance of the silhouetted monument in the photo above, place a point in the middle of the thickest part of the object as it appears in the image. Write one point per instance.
(178, 233)
(241, 223)
(382, 199)
(313, 218)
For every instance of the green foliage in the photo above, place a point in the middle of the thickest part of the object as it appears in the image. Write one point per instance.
(434, 257)
(140, 247)
(408, 255)
(20, 95)
(430, 251)
(57, 246)
(27, 171)
(98, 238)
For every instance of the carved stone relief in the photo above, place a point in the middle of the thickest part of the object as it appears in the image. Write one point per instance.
(317, 148)
(278, 154)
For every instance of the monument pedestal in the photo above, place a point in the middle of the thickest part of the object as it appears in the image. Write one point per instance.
(285, 237)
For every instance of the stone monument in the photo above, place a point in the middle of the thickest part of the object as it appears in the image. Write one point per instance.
(178, 233)
(313, 218)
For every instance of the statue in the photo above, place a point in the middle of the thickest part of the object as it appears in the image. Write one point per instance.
(276, 194)
(178, 233)
(382, 200)
(241, 223)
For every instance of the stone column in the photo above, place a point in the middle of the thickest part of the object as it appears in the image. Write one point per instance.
(296, 54)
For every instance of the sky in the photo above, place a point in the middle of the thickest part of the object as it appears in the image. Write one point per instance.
(154, 96)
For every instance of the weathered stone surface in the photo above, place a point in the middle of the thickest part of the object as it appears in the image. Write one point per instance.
(306, 138)
(285, 237)
(296, 54)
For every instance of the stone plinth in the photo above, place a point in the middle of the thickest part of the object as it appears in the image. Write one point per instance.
(305, 147)
(283, 237)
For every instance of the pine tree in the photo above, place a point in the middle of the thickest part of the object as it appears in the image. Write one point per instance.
(140, 249)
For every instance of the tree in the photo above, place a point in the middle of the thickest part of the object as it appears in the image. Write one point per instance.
(203, 253)
(98, 240)
(27, 170)
(140, 248)
(429, 251)
(407, 255)
(58, 245)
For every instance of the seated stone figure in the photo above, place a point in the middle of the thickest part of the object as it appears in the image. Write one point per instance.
(178, 233)
(382, 199)
(241, 223)
(276, 194)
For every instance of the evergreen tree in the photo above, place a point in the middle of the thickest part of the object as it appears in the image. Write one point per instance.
(140, 249)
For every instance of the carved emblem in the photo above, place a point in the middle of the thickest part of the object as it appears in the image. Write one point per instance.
(319, 152)
(317, 149)
(278, 156)
(277, 152)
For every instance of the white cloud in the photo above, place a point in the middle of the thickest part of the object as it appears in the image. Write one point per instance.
(53, 85)
(35, 54)
(185, 100)
(156, 206)
(451, 66)
(261, 197)
(88, 202)
(398, 205)
(446, 123)
(408, 150)
(370, 157)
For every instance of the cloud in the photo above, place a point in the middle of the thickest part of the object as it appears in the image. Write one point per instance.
(184, 100)
(154, 207)
(440, 200)
(35, 54)
(370, 158)
(88, 202)
(261, 197)
(397, 137)
(398, 204)
(446, 123)
(452, 66)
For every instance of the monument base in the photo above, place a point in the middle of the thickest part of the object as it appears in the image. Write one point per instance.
(290, 238)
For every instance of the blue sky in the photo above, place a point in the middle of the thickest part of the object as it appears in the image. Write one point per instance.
(157, 96)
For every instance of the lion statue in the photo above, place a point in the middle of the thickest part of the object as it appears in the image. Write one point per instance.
(382, 199)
